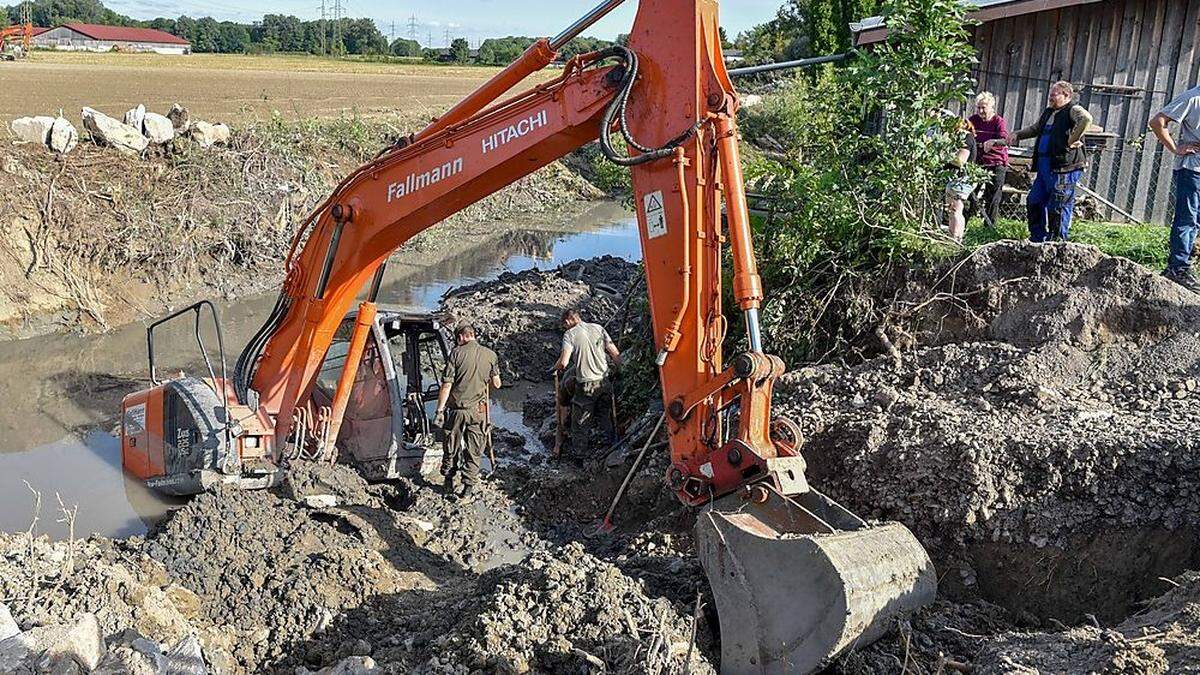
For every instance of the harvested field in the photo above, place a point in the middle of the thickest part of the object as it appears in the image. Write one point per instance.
(251, 86)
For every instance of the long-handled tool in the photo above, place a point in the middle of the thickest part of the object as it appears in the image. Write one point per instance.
(487, 431)
(559, 431)
(606, 525)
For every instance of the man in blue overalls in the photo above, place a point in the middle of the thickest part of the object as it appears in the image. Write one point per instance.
(1059, 160)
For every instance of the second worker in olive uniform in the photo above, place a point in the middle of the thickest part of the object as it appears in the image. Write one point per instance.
(462, 409)
(584, 364)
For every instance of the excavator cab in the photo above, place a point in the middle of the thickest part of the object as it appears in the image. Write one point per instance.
(385, 431)
(175, 436)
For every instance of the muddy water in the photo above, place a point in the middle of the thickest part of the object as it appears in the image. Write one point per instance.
(59, 394)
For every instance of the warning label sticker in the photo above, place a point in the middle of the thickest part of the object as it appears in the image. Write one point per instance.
(656, 218)
(135, 419)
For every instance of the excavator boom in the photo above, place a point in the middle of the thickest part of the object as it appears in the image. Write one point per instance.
(797, 578)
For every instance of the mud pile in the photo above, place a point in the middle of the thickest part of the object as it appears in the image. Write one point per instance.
(560, 611)
(519, 314)
(270, 570)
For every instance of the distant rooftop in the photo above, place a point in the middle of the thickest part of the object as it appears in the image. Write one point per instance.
(125, 34)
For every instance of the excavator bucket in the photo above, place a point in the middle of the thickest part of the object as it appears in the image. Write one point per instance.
(799, 580)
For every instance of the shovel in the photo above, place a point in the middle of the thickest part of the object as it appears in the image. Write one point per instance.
(558, 417)
(487, 431)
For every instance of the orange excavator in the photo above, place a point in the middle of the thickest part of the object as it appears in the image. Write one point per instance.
(797, 579)
(15, 41)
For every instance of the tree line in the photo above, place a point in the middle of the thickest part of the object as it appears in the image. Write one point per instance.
(803, 28)
(286, 33)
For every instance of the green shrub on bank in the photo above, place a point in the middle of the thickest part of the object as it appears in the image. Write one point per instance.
(856, 159)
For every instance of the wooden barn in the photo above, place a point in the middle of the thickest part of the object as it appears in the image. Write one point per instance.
(1126, 58)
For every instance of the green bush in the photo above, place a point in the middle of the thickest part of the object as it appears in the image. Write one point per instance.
(857, 163)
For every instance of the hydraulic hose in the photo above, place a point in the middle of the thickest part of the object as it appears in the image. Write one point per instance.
(615, 112)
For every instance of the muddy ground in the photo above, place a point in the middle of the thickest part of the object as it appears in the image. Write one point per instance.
(1033, 429)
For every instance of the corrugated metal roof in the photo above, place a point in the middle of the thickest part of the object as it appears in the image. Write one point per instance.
(126, 34)
(984, 10)
(38, 30)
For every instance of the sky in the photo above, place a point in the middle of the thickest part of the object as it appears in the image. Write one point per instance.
(475, 20)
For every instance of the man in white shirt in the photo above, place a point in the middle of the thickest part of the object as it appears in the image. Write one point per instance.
(1185, 110)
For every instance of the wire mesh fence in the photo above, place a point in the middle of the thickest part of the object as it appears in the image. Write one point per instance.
(1124, 184)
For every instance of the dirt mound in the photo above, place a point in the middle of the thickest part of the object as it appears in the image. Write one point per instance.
(268, 569)
(565, 611)
(518, 314)
(94, 238)
(53, 582)
(315, 479)
(1045, 470)
(476, 534)
(1028, 294)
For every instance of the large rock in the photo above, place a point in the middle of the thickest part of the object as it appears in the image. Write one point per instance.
(108, 131)
(32, 129)
(63, 136)
(8, 626)
(180, 118)
(157, 128)
(207, 135)
(135, 116)
(186, 658)
(54, 648)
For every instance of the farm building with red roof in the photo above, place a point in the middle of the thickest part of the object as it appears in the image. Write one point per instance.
(91, 37)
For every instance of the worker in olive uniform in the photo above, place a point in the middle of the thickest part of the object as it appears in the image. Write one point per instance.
(584, 364)
(462, 409)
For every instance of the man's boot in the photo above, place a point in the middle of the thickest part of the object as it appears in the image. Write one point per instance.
(1184, 277)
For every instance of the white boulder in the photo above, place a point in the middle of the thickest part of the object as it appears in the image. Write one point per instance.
(62, 648)
(32, 129)
(157, 128)
(135, 116)
(207, 135)
(108, 131)
(63, 136)
(8, 625)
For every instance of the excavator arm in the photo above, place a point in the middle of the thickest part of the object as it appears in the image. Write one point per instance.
(797, 578)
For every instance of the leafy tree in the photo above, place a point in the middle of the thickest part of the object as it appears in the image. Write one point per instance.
(460, 51)
(502, 51)
(404, 47)
(234, 38)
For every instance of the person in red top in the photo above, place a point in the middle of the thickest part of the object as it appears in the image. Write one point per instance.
(992, 156)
